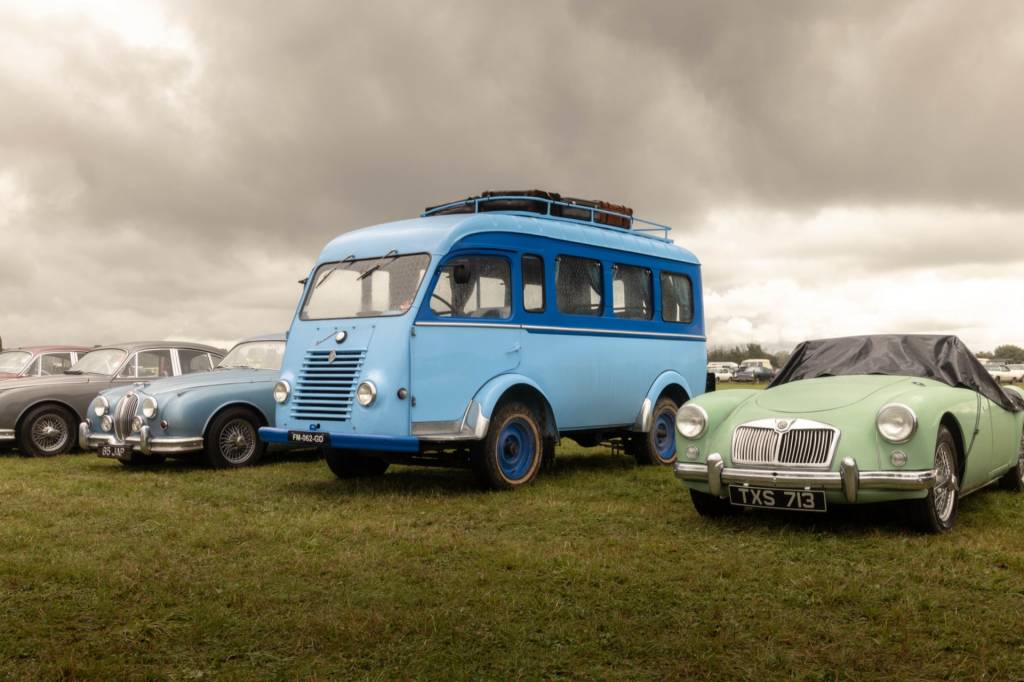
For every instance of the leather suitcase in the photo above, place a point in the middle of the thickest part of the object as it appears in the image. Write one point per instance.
(522, 201)
(580, 210)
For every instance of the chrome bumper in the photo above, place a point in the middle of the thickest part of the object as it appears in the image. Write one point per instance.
(849, 479)
(6, 435)
(143, 442)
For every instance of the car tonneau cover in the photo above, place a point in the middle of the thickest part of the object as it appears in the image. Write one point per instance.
(938, 357)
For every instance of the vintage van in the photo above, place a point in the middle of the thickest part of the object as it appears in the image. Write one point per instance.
(480, 338)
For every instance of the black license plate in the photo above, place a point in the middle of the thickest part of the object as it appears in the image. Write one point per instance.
(115, 451)
(307, 438)
(778, 498)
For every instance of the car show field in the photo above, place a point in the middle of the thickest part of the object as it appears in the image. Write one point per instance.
(601, 569)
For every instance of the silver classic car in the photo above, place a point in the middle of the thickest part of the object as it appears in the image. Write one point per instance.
(40, 414)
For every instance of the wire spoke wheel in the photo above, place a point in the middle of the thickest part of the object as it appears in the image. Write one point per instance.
(50, 433)
(947, 486)
(237, 441)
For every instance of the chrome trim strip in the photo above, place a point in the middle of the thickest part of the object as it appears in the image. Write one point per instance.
(471, 426)
(156, 446)
(6, 434)
(546, 328)
(643, 420)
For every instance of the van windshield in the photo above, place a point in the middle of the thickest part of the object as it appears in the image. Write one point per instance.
(371, 287)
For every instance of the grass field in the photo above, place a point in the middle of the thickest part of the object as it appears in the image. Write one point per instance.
(599, 570)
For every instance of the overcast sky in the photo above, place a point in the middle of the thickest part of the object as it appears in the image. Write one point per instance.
(171, 169)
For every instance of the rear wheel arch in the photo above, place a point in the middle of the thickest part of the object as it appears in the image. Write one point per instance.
(532, 397)
(256, 412)
(46, 403)
(676, 392)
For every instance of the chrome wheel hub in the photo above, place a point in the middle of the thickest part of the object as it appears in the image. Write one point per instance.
(49, 433)
(944, 494)
(238, 441)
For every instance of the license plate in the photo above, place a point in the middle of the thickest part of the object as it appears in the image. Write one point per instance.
(115, 451)
(307, 438)
(778, 498)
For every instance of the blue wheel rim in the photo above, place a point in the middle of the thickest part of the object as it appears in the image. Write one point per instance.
(516, 449)
(665, 436)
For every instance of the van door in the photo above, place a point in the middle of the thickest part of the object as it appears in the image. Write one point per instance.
(463, 335)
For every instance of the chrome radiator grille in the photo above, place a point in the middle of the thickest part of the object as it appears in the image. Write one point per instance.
(123, 415)
(798, 443)
(325, 388)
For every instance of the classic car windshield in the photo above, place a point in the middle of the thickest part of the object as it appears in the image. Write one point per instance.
(13, 361)
(254, 355)
(372, 287)
(103, 361)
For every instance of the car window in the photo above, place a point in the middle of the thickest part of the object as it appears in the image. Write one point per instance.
(55, 363)
(473, 286)
(676, 298)
(579, 285)
(148, 364)
(631, 292)
(533, 284)
(193, 361)
(33, 369)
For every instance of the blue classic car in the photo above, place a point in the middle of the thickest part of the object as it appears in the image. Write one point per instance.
(217, 413)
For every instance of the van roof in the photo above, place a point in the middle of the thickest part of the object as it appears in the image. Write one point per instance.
(437, 234)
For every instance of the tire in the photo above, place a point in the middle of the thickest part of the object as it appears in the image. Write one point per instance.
(511, 454)
(46, 431)
(233, 440)
(711, 507)
(137, 459)
(936, 513)
(354, 463)
(657, 446)
(1014, 478)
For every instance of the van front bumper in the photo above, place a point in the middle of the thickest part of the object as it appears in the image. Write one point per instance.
(849, 479)
(142, 442)
(347, 441)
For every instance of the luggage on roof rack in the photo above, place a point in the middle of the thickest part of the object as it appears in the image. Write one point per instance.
(542, 202)
(583, 209)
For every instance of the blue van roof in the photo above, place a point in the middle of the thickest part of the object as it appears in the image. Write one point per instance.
(437, 234)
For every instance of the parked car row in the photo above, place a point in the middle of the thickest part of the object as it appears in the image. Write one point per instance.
(1006, 374)
(748, 371)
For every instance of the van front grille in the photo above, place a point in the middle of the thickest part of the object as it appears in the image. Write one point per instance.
(799, 443)
(326, 385)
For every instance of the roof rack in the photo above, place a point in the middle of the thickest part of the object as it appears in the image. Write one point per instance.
(651, 230)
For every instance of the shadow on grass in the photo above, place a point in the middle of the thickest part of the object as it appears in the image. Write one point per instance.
(195, 462)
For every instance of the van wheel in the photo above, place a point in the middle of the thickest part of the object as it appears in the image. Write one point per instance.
(354, 463)
(510, 456)
(46, 431)
(137, 459)
(937, 512)
(711, 507)
(1014, 478)
(233, 440)
(657, 446)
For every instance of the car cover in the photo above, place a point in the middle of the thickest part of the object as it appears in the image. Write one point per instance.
(943, 358)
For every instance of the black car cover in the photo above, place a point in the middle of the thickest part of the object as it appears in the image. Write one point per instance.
(943, 358)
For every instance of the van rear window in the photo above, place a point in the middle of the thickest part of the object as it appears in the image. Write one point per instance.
(578, 284)
(370, 287)
(676, 298)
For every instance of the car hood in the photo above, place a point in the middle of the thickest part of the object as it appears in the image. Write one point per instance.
(201, 380)
(827, 393)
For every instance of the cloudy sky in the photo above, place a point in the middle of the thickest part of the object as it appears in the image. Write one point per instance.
(171, 169)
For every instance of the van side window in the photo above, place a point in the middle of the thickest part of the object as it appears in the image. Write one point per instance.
(533, 284)
(473, 286)
(578, 285)
(676, 298)
(631, 292)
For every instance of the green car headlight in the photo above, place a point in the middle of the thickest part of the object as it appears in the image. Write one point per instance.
(896, 423)
(692, 421)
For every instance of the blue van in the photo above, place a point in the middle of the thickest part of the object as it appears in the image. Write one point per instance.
(481, 337)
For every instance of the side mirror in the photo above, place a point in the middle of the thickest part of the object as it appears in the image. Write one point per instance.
(460, 273)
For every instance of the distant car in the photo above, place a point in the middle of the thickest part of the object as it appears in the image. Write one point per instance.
(757, 362)
(1018, 373)
(753, 374)
(1005, 374)
(216, 413)
(721, 371)
(36, 361)
(41, 414)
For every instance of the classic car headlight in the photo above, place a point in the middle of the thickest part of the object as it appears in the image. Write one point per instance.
(692, 420)
(366, 393)
(896, 423)
(150, 407)
(281, 392)
(100, 406)
(136, 424)
(107, 423)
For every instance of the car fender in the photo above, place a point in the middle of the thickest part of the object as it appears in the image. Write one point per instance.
(488, 396)
(236, 403)
(663, 381)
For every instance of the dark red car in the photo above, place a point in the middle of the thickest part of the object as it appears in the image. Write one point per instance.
(35, 361)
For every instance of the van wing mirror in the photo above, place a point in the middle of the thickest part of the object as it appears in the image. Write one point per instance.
(460, 273)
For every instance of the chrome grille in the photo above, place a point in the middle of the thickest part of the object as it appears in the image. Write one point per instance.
(123, 415)
(325, 389)
(800, 443)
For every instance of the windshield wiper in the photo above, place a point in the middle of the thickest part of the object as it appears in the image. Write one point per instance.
(392, 254)
(327, 275)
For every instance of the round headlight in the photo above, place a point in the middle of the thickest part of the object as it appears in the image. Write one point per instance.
(106, 423)
(100, 406)
(896, 423)
(136, 424)
(691, 420)
(281, 392)
(366, 393)
(150, 407)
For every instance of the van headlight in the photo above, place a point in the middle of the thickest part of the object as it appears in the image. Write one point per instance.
(366, 393)
(281, 392)
(100, 406)
(896, 423)
(692, 421)
(150, 407)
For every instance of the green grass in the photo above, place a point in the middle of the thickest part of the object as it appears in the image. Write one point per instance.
(599, 570)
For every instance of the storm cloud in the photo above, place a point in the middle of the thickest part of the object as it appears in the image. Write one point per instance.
(171, 169)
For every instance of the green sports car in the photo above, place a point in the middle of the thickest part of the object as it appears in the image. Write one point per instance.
(856, 420)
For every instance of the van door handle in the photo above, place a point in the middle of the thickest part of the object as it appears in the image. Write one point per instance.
(514, 349)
